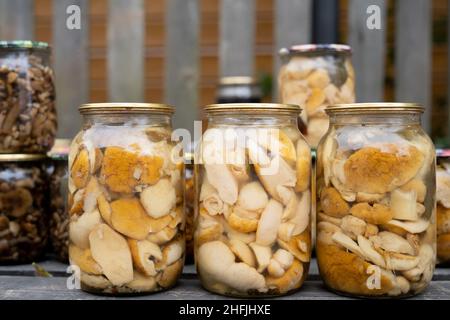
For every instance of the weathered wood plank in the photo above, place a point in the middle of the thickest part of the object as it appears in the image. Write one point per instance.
(18, 282)
(237, 34)
(293, 25)
(126, 25)
(413, 54)
(368, 49)
(16, 20)
(182, 60)
(33, 288)
(72, 75)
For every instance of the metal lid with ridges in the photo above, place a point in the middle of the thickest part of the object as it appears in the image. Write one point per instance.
(264, 107)
(375, 107)
(125, 107)
(21, 157)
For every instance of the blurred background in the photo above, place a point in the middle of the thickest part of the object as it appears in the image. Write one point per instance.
(175, 51)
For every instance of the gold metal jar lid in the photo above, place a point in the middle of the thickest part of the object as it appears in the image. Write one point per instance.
(125, 107)
(375, 107)
(21, 157)
(254, 107)
(240, 80)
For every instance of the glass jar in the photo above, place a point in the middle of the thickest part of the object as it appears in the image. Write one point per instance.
(126, 199)
(252, 229)
(443, 207)
(189, 207)
(27, 98)
(315, 76)
(23, 208)
(376, 231)
(59, 216)
(238, 90)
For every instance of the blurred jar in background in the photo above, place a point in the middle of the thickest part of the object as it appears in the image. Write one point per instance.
(59, 216)
(238, 90)
(443, 206)
(189, 206)
(315, 76)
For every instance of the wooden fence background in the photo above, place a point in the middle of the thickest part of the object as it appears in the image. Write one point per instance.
(127, 60)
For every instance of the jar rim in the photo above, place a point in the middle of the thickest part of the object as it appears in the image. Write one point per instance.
(25, 44)
(375, 107)
(125, 107)
(21, 157)
(256, 107)
(310, 48)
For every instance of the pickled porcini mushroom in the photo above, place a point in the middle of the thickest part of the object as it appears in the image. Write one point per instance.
(127, 220)
(252, 234)
(375, 231)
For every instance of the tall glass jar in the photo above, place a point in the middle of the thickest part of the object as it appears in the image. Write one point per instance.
(315, 76)
(23, 208)
(376, 231)
(126, 199)
(252, 230)
(59, 215)
(443, 207)
(27, 98)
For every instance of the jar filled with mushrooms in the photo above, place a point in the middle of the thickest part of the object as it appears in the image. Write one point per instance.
(443, 207)
(59, 216)
(23, 208)
(27, 98)
(315, 76)
(252, 230)
(126, 199)
(376, 231)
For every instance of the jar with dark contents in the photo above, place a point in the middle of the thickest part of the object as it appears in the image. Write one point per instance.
(443, 206)
(59, 217)
(23, 208)
(189, 207)
(27, 98)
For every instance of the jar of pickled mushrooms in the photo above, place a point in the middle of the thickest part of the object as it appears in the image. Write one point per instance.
(443, 207)
(59, 216)
(23, 208)
(315, 76)
(126, 199)
(27, 97)
(252, 230)
(376, 231)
